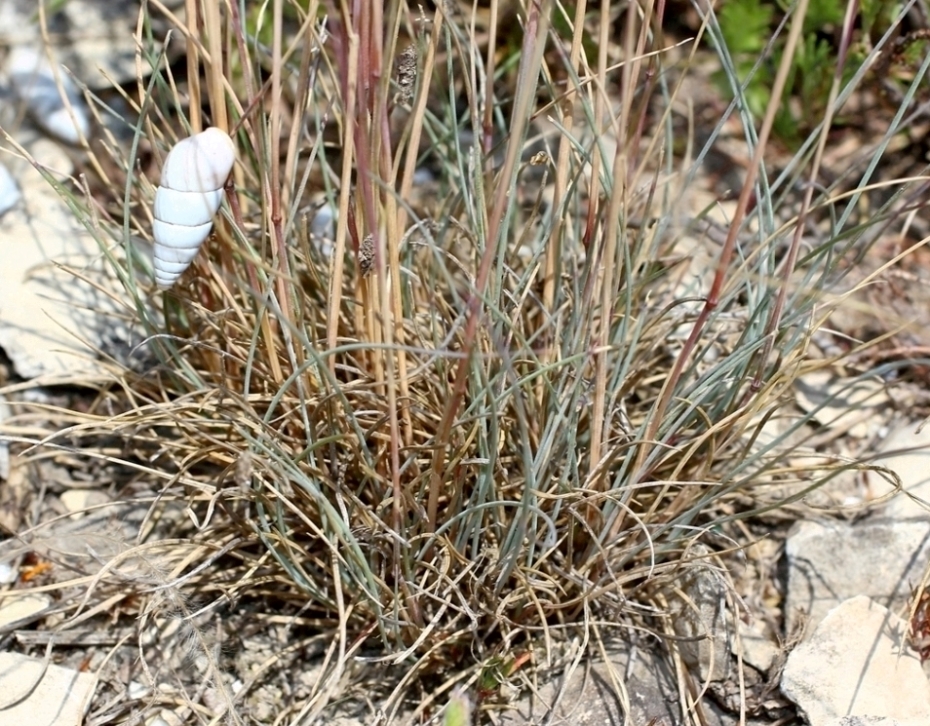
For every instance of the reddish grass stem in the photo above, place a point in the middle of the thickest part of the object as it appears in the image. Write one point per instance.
(723, 264)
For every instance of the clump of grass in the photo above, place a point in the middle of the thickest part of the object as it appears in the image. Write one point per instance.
(508, 403)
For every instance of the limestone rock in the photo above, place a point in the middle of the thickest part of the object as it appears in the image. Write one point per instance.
(93, 38)
(831, 562)
(857, 664)
(15, 612)
(589, 694)
(907, 453)
(699, 617)
(33, 692)
(54, 322)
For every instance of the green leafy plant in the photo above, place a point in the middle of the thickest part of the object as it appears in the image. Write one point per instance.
(751, 37)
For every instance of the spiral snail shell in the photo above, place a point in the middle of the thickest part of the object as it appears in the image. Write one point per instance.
(187, 198)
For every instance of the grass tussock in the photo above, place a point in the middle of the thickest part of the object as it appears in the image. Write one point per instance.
(516, 384)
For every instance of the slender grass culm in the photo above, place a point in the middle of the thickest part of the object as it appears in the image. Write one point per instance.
(469, 379)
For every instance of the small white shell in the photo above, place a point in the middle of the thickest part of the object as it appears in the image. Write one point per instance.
(323, 228)
(48, 101)
(9, 192)
(186, 201)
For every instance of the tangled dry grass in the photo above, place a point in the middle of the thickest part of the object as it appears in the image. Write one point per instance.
(500, 406)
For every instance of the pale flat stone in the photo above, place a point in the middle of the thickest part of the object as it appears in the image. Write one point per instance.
(907, 453)
(699, 617)
(48, 94)
(758, 647)
(9, 190)
(857, 663)
(36, 695)
(51, 322)
(833, 561)
(21, 609)
(588, 695)
(77, 501)
(93, 38)
(834, 401)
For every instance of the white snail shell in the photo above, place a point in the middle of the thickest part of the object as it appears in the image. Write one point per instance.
(187, 198)
(55, 104)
